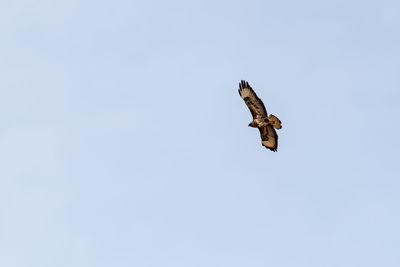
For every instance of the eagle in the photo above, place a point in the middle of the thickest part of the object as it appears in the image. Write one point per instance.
(261, 120)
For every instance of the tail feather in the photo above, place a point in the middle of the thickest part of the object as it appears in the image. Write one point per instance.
(274, 121)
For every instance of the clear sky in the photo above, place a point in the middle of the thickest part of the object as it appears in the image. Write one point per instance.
(124, 142)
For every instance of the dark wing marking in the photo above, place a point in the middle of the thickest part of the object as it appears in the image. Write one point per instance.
(252, 101)
(269, 138)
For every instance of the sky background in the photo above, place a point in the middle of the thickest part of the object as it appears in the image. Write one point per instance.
(124, 142)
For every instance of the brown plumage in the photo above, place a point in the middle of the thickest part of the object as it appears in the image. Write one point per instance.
(261, 120)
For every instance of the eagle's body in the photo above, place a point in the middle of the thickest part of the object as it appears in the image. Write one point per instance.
(261, 120)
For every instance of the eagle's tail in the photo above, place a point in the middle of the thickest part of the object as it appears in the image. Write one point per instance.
(274, 121)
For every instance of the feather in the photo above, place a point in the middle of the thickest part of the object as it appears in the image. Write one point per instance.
(255, 104)
(269, 138)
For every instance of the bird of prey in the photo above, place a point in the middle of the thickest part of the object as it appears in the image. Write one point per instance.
(261, 120)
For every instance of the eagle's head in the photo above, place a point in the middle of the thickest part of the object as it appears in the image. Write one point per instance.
(253, 124)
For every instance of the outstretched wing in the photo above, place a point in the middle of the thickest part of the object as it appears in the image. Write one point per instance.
(269, 138)
(252, 101)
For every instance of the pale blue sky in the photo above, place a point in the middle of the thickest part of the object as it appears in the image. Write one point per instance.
(124, 142)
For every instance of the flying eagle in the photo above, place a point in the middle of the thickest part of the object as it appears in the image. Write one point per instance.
(261, 120)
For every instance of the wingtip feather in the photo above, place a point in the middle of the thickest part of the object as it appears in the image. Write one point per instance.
(244, 84)
(272, 149)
